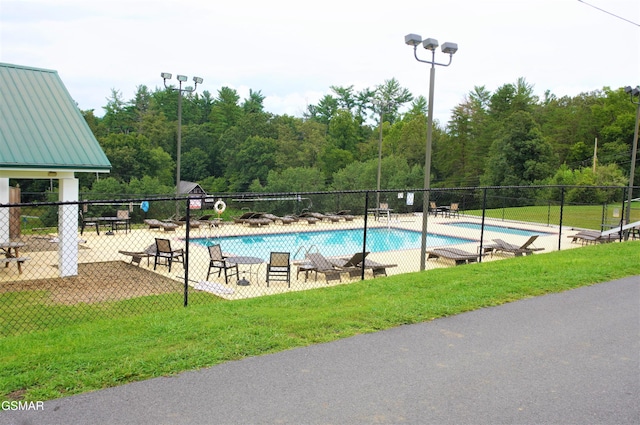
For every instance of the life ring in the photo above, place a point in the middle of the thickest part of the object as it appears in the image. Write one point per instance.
(220, 206)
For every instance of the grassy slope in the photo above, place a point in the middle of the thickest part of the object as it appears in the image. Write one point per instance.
(104, 353)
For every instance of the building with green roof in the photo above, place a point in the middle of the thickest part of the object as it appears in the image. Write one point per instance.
(43, 135)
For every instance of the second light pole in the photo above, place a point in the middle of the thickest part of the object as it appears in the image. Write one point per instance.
(448, 48)
(181, 79)
(634, 149)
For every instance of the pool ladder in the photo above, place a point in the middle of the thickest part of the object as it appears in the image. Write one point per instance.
(305, 250)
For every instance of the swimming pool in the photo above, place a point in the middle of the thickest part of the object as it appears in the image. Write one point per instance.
(498, 229)
(328, 242)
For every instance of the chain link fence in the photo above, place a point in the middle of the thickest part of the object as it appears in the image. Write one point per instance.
(74, 262)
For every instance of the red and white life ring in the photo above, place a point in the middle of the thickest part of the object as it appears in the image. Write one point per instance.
(220, 206)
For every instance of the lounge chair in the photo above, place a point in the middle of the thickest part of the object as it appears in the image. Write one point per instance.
(241, 219)
(165, 255)
(210, 220)
(193, 223)
(274, 218)
(217, 260)
(279, 267)
(157, 224)
(308, 219)
(257, 221)
(320, 216)
(620, 230)
(322, 265)
(459, 256)
(525, 249)
(354, 265)
(346, 214)
(253, 219)
(587, 236)
(354, 261)
(137, 256)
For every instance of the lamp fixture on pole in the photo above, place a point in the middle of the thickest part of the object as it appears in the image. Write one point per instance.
(633, 92)
(181, 79)
(448, 48)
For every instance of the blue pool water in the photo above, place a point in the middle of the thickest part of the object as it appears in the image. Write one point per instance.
(498, 229)
(329, 243)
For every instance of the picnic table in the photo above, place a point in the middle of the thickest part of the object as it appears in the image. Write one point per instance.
(11, 254)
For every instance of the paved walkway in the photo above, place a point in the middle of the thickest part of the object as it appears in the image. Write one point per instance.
(569, 358)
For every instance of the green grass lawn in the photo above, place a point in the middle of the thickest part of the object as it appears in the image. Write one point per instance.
(102, 353)
(582, 216)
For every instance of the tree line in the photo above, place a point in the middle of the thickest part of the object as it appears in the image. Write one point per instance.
(506, 137)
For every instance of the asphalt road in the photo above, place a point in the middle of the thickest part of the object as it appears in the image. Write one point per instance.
(569, 358)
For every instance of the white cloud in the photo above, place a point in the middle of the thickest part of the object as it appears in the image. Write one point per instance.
(293, 52)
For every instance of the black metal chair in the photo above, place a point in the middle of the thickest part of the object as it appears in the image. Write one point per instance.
(218, 261)
(165, 255)
(123, 220)
(279, 267)
(88, 222)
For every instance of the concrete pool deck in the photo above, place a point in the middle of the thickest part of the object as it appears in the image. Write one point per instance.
(104, 248)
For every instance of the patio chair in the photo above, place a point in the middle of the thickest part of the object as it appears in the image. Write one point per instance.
(245, 216)
(354, 261)
(279, 267)
(164, 255)
(88, 222)
(346, 214)
(123, 220)
(157, 224)
(180, 221)
(257, 221)
(320, 216)
(378, 269)
(210, 220)
(453, 210)
(136, 257)
(274, 218)
(630, 229)
(459, 256)
(309, 219)
(435, 209)
(355, 264)
(218, 261)
(525, 249)
(322, 265)
(588, 236)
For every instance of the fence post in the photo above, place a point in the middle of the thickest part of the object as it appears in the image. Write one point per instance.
(185, 258)
(364, 234)
(625, 215)
(484, 209)
(425, 215)
(561, 217)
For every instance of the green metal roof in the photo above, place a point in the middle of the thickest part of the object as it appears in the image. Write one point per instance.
(41, 126)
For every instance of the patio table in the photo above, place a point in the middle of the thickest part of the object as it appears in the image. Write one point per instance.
(246, 261)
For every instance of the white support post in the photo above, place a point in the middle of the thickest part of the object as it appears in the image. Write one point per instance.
(4, 212)
(68, 228)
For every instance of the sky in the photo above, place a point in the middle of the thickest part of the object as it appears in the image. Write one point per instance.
(294, 51)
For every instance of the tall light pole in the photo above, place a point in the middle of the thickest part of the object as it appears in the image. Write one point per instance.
(382, 107)
(448, 48)
(633, 93)
(181, 79)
